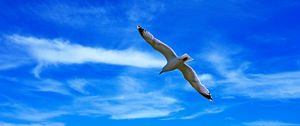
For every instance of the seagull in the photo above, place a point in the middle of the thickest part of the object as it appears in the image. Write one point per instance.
(176, 62)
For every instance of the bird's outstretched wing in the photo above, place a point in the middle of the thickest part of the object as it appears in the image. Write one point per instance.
(157, 44)
(191, 76)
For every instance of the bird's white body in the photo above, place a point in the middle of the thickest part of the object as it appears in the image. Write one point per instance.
(175, 62)
(171, 65)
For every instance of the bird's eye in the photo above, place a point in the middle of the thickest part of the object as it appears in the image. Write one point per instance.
(185, 58)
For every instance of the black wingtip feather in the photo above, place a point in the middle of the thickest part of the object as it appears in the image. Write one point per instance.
(207, 96)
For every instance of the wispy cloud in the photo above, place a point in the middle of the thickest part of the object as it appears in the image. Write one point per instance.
(86, 15)
(267, 86)
(9, 65)
(24, 112)
(78, 85)
(41, 85)
(127, 98)
(32, 124)
(56, 51)
(142, 10)
(133, 106)
(237, 82)
(131, 102)
(204, 112)
(269, 123)
(49, 85)
(207, 79)
(76, 15)
(8, 61)
(10, 57)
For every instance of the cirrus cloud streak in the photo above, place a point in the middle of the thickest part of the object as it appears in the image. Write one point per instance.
(58, 51)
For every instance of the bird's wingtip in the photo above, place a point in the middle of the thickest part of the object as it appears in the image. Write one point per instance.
(160, 72)
(207, 96)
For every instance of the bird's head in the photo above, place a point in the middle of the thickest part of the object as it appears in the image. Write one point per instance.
(140, 29)
(185, 58)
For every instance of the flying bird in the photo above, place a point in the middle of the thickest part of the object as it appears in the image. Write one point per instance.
(176, 62)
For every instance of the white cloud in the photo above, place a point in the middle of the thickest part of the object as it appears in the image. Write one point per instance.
(49, 85)
(269, 123)
(204, 112)
(78, 85)
(37, 69)
(32, 124)
(237, 82)
(75, 15)
(40, 85)
(266, 86)
(9, 61)
(131, 102)
(130, 106)
(5, 66)
(144, 10)
(56, 51)
(207, 79)
(24, 112)
(127, 98)
(87, 15)
(10, 57)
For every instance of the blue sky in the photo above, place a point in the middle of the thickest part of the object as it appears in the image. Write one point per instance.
(74, 63)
